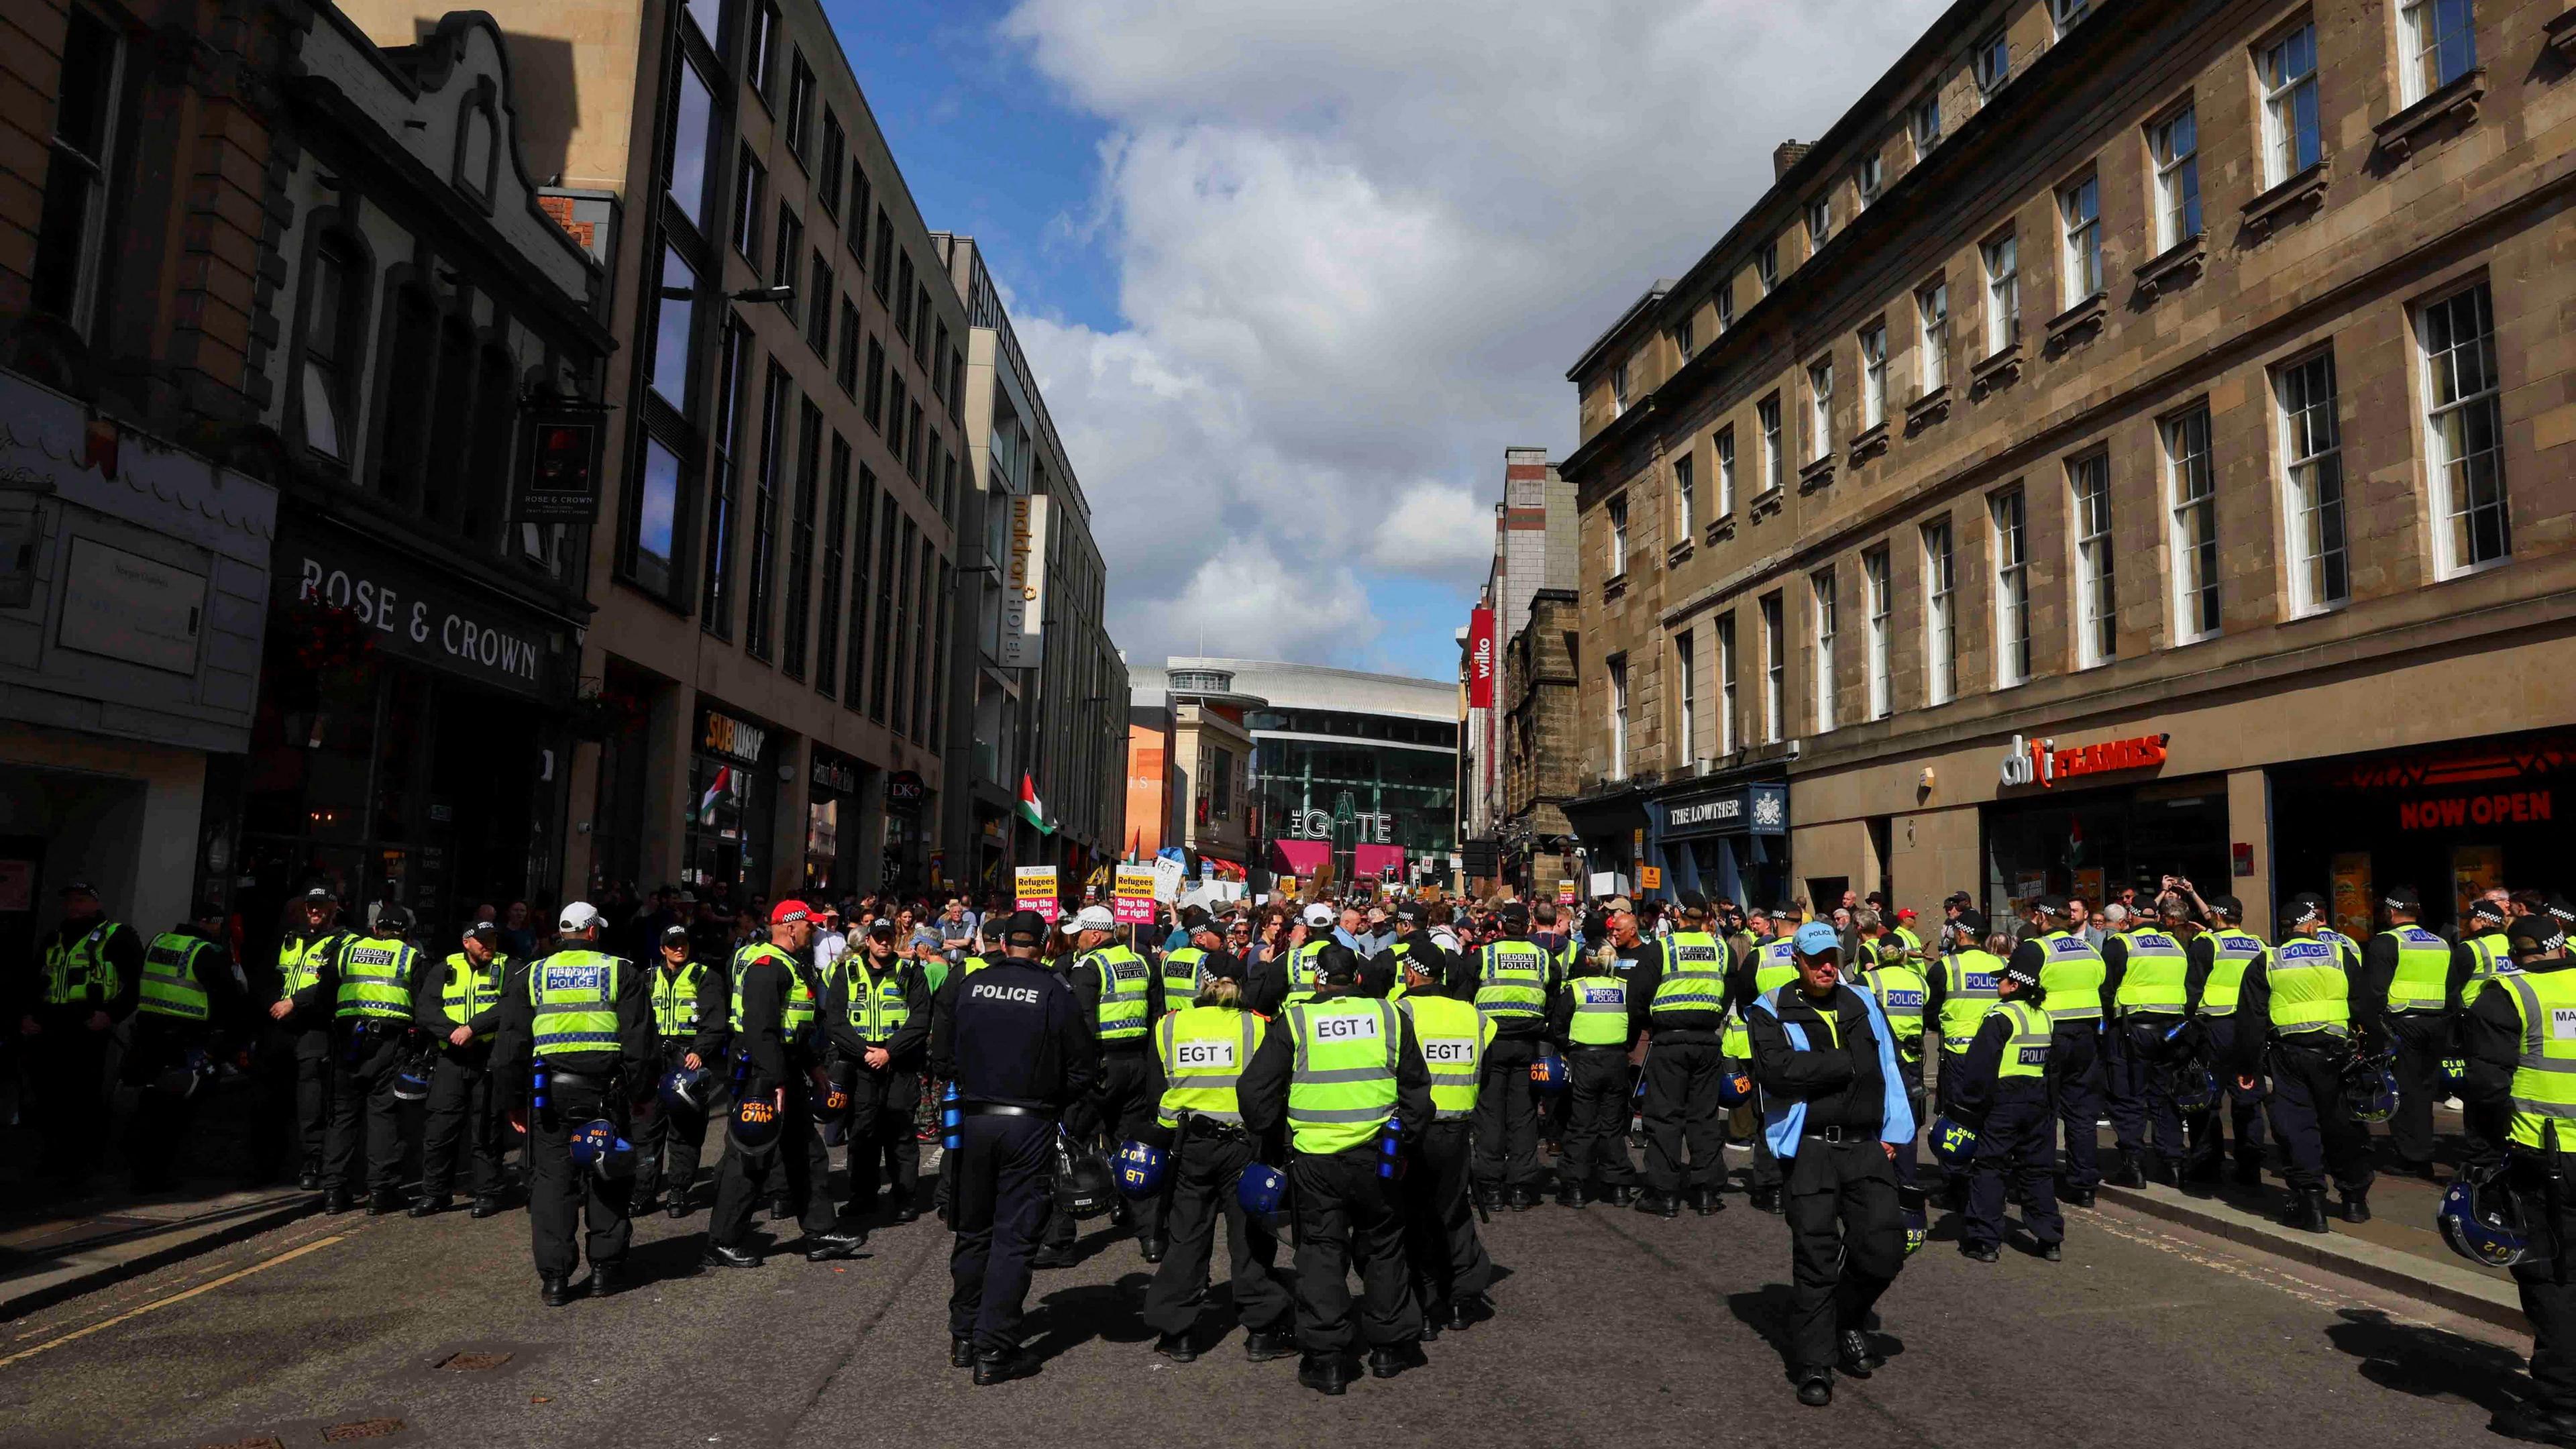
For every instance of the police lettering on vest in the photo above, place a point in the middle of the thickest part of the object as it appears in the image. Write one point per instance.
(987, 991)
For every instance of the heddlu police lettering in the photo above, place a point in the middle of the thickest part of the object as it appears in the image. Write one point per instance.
(1605, 995)
(575, 978)
(986, 990)
(1338, 1028)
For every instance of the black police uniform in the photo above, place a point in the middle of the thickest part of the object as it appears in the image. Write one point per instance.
(773, 1062)
(614, 1083)
(366, 1057)
(66, 1060)
(300, 1065)
(2419, 1040)
(155, 1135)
(1504, 1130)
(2218, 1039)
(671, 1143)
(883, 1100)
(1200, 1192)
(1684, 1064)
(2016, 1138)
(1598, 1092)
(2138, 1080)
(1018, 1045)
(462, 1103)
(2491, 1041)
(1451, 1269)
(1121, 1105)
(2318, 1136)
(2075, 1080)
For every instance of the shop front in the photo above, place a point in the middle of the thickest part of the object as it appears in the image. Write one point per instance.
(2091, 817)
(833, 788)
(732, 819)
(908, 812)
(1727, 842)
(1611, 827)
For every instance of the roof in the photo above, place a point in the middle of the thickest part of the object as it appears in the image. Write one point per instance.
(1642, 306)
(1311, 686)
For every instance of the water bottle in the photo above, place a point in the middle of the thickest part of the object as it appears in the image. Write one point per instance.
(1389, 1151)
(952, 1118)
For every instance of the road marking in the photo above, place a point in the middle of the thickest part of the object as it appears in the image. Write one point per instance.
(2317, 1294)
(2125, 1308)
(287, 1256)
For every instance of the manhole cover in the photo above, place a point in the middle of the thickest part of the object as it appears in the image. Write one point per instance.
(466, 1363)
(361, 1429)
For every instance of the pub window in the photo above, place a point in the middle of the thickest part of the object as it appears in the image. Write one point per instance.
(330, 327)
(442, 479)
(488, 473)
(402, 431)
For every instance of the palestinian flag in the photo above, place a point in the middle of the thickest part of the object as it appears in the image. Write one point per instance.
(1031, 810)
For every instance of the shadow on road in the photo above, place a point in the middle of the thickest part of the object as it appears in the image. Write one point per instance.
(1107, 1311)
(2429, 1363)
(666, 1258)
(1764, 1310)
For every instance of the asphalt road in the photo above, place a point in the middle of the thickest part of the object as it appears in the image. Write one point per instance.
(1614, 1328)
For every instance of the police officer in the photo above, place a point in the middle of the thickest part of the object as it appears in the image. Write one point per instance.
(777, 1056)
(2302, 1022)
(1892, 973)
(591, 1025)
(2415, 972)
(1180, 965)
(93, 967)
(2213, 987)
(369, 983)
(1960, 991)
(692, 1017)
(1343, 1072)
(1018, 1045)
(2142, 1042)
(2519, 1065)
(876, 1009)
(1124, 995)
(1200, 1052)
(187, 985)
(1508, 981)
(1595, 1016)
(2002, 1093)
(1685, 993)
(1451, 1271)
(2075, 976)
(1768, 966)
(2482, 955)
(458, 1001)
(1834, 1110)
(1298, 974)
(303, 1011)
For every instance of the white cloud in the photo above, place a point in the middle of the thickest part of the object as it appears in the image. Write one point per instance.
(1358, 244)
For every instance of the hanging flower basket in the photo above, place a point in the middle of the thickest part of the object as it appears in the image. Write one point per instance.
(599, 712)
(334, 649)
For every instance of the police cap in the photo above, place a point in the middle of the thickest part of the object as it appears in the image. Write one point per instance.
(1024, 928)
(2228, 906)
(671, 935)
(2486, 909)
(1971, 920)
(1338, 965)
(2050, 905)
(1194, 919)
(2401, 898)
(2534, 934)
(1694, 902)
(1515, 916)
(2305, 906)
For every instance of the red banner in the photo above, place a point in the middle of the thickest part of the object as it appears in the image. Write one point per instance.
(1480, 659)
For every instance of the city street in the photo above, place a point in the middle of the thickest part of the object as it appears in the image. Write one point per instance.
(1615, 1328)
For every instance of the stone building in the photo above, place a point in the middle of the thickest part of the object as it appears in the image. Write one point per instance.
(1542, 743)
(2133, 439)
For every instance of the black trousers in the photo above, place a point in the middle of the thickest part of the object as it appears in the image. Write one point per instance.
(798, 1162)
(363, 1104)
(670, 1144)
(313, 1083)
(1846, 1244)
(1596, 1120)
(2422, 1039)
(67, 1076)
(882, 1135)
(997, 1198)
(1440, 1241)
(1121, 1108)
(2016, 1147)
(1682, 1109)
(1349, 1216)
(2548, 1289)
(559, 1192)
(463, 1108)
(2244, 1106)
(156, 1135)
(2138, 1075)
(2317, 1136)
(1506, 1122)
(1202, 1194)
(1910, 1071)
(2075, 1092)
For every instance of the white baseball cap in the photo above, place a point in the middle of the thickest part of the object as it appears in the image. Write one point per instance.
(1095, 918)
(1318, 914)
(578, 916)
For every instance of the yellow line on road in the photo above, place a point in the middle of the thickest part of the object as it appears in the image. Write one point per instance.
(289, 1254)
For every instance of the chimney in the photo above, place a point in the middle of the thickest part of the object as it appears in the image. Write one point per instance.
(1786, 155)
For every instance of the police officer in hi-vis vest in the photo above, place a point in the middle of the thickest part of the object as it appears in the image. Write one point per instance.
(1685, 994)
(692, 1017)
(2002, 1095)
(1344, 1073)
(2212, 987)
(1124, 996)
(2482, 955)
(2144, 1041)
(1451, 1271)
(1594, 1015)
(2302, 1023)
(91, 969)
(2414, 971)
(312, 938)
(1893, 974)
(778, 1051)
(2074, 974)
(368, 982)
(460, 1001)
(876, 1011)
(1507, 981)
(591, 1024)
(186, 988)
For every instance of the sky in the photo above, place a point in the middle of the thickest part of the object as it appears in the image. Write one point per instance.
(1294, 273)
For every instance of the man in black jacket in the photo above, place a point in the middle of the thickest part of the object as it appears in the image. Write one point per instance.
(188, 993)
(775, 1053)
(877, 1011)
(576, 995)
(2002, 1094)
(89, 971)
(459, 1000)
(1683, 986)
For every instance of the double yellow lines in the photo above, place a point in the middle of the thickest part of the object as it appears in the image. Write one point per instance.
(234, 1277)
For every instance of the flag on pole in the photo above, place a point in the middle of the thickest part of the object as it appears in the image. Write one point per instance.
(1030, 809)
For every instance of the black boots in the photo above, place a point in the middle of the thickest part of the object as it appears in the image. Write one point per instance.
(1001, 1368)
(1393, 1359)
(2306, 1210)
(430, 1207)
(1262, 1347)
(2356, 1207)
(961, 1353)
(1325, 1373)
(2126, 1172)
(1176, 1347)
(555, 1288)
(1853, 1355)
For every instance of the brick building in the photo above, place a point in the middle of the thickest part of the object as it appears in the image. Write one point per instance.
(2134, 438)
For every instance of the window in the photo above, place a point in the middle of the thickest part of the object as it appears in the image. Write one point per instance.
(888, 630)
(902, 290)
(913, 439)
(1725, 299)
(920, 333)
(1725, 450)
(863, 511)
(1868, 179)
(939, 368)
(674, 308)
(906, 620)
(1618, 668)
(684, 179)
(750, 199)
(1775, 670)
(2097, 619)
(827, 178)
(71, 231)
(1822, 583)
(1940, 615)
(1882, 663)
(762, 67)
(2465, 427)
(2012, 590)
(2192, 485)
(1683, 341)
(1993, 62)
(1685, 700)
(1617, 512)
(885, 253)
(657, 507)
(2441, 44)
(827, 612)
(2312, 484)
(874, 408)
(1726, 684)
(1683, 500)
(764, 513)
(2291, 140)
(800, 104)
(1927, 125)
(800, 540)
(2175, 144)
(716, 616)
(1820, 409)
(1619, 390)
(2079, 207)
(328, 331)
(1766, 266)
(818, 310)
(1767, 414)
(1932, 318)
(790, 247)
(2065, 13)
(897, 400)
(1820, 223)
(846, 371)
(855, 233)
(1873, 376)
(708, 17)
(2003, 294)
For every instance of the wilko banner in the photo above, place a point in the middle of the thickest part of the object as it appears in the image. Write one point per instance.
(1480, 659)
(1131, 900)
(1034, 886)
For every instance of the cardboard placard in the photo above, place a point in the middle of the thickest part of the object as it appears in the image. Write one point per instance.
(1035, 890)
(1131, 898)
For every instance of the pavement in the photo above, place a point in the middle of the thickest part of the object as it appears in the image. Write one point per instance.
(1614, 1327)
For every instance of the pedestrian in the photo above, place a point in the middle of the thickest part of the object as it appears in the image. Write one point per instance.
(692, 1016)
(2073, 973)
(2002, 1095)
(2416, 973)
(1834, 1112)
(369, 981)
(1124, 996)
(1345, 1075)
(1509, 980)
(877, 1013)
(591, 1028)
(458, 1001)
(777, 1055)
(1451, 1270)
(1018, 1045)
(186, 986)
(1685, 993)
(1594, 1017)
(2302, 1024)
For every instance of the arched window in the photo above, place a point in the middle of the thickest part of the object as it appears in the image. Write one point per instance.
(478, 142)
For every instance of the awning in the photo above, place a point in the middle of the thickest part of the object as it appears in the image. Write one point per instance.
(1370, 861)
(1300, 857)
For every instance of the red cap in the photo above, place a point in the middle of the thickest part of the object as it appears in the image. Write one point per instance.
(1905, 914)
(785, 911)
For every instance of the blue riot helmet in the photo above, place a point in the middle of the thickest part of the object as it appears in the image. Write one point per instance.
(755, 1126)
(1735, 1085)
(2455, 1073)
(1547, 1072)
(2370, 1090)
(1263, 1193)
(411, 1078)
(830, 1105)
(687, 1089)
(2195, 1088)
(596, 1147)
(1918, 1218)
(183, 1078)
(1140, 1169)
(1954, 1144)
(2483, 1222)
